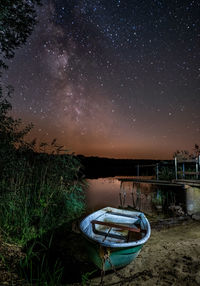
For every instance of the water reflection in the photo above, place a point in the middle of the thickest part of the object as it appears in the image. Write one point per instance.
(153, 199)
(148, 198)
(140, 195)
(103, 193)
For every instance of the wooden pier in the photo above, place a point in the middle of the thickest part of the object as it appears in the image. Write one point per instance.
(179, 178)
(190, 183)
(183, 162)
(178, 183)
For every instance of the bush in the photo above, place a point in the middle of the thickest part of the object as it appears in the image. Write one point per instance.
(166, 173)
(38, 191)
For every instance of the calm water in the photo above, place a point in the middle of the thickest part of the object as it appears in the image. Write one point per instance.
(148, 198)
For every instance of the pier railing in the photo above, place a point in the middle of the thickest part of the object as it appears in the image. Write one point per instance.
(185, 162)
(157, 167)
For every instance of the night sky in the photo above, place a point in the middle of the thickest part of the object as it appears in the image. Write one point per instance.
(112, 78)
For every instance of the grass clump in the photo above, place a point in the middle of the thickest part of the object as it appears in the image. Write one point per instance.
(39, 192)
(37, 268)
(31, 210)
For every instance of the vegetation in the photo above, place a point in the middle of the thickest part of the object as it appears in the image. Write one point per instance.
(86, 278)
(166, 172)
(36, 268)
(17, 20)
(39, 191)
(184, 154)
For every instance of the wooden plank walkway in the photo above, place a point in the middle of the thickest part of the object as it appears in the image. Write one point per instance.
(178, 183)
(192, 183)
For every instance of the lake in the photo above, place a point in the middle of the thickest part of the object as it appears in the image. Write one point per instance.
(151, 199)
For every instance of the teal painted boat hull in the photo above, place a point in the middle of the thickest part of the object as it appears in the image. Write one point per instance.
(118, 257)
(114, 237)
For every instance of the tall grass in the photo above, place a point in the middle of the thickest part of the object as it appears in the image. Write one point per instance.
(38, 193)
(42, 196)
(37, 269)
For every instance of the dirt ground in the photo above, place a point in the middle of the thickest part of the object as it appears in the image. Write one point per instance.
(10, 255)
(170, 257)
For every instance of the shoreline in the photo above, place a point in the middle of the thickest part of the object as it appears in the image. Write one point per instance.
(170, 257)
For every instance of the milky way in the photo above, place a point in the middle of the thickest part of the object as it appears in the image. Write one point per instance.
(112, 78)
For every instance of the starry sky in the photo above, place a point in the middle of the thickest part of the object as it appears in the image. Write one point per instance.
(117, 78)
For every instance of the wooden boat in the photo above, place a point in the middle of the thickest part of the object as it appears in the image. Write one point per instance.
(114, 237)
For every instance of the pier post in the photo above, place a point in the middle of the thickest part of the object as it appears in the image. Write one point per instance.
(183, 168)
(197, 167)
(176, 173)
(122, 198)
(120, 194)
(138, 170)
(157, 172)
(132, 194)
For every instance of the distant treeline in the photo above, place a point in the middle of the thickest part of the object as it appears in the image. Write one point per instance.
(99, 167)
(94, 167)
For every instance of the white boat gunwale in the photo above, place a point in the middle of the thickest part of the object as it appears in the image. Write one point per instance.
(87, 227)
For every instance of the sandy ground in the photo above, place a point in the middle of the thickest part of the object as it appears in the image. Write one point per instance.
(170, 257)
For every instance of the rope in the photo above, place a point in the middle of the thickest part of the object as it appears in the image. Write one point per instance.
(104, 254)
(106, 257)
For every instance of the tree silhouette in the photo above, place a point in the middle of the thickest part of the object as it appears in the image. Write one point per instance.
(184, 154)
(17, 20)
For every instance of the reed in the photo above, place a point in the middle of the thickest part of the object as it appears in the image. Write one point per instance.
(37, 267)
(39, 192)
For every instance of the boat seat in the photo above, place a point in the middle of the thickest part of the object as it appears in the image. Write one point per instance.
(111, 225)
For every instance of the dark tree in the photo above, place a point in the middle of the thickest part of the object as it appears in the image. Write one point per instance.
(17, 20)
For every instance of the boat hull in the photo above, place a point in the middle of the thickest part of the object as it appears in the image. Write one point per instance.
(119, 257)
(114, 237)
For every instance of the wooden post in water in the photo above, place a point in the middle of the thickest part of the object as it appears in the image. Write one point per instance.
(183, 168)
(120, 194)
(133, 201)
(197, 167)
(157, 172)
(124, 199)
(138, 170)
(132, 194)
(120, 199)
(176, 173)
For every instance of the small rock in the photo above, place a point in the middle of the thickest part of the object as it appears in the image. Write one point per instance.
(197, 278)
(196, 216)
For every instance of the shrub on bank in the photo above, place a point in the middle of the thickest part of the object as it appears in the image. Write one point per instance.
(38, 191)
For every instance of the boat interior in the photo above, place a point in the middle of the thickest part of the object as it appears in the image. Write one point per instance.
(118, 227)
